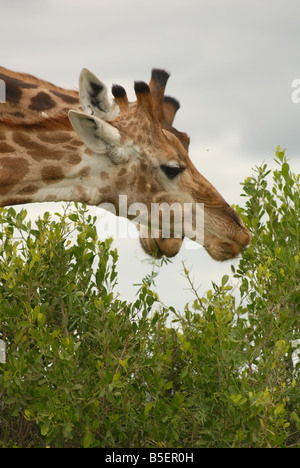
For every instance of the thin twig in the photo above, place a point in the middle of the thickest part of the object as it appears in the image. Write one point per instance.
(192, 287)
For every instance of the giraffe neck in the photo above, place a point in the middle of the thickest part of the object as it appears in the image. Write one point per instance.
(47, 162)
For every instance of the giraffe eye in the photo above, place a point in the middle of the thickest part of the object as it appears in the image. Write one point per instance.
(171, 171)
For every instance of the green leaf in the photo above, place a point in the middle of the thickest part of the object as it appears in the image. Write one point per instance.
(285, 169)
(225, 280)
(87, 440)
(168, 385)
(45, 428)
(147, 408)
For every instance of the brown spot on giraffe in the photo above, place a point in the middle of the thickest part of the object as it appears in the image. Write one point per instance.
(30, 189)
(84, 172)
(5, 148)
(76, 143)
(57, 137)
(52, 174)
(121, 184)
(74, 159)
(12, 171)
(104, 190)
(84, 196)
(42, 102)
(104, 175)
(122, 172)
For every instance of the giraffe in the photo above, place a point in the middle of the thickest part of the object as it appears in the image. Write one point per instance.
(131, 154)
(28, 96)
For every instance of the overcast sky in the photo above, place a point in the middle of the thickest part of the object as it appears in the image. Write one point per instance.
(232, 65)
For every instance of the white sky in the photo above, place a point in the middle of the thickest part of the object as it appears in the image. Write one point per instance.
(232, 65)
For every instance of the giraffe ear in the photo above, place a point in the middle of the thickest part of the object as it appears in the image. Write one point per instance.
(94, 98)
(99, 136)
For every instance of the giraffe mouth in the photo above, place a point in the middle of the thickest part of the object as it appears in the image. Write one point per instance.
(159, 247)
(225, 235)
(226, 249)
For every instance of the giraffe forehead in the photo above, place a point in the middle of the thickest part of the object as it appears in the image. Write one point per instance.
(144, 136)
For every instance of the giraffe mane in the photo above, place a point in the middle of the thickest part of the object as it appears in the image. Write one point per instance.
(59, 122)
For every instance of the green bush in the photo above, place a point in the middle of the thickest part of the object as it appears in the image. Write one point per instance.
(85, 369)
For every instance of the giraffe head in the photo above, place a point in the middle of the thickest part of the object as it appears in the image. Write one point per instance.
(95, 100)
(154, 167)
